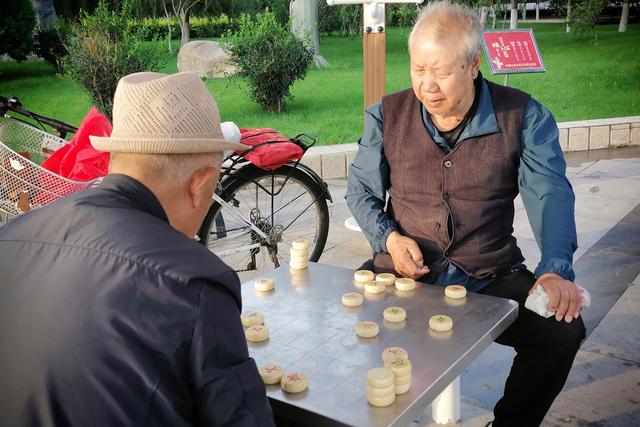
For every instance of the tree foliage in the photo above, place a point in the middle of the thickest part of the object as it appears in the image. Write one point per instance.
(270, 57)
(17, 20)
(103, 49)
(584, 15)
(50, 43)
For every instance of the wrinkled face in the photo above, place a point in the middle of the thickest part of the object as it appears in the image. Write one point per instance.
(442, 79)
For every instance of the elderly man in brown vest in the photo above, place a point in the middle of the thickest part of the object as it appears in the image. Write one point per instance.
(433, 188)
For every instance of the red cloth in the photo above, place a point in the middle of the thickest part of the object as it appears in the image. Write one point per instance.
(270, 156)
(78, 160)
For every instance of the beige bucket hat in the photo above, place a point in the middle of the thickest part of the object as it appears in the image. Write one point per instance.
(155, 113)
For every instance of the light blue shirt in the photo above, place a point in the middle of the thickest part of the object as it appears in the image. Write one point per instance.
(546, 192)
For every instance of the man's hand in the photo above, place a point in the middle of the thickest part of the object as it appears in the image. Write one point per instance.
(564, 297)
(406, 256)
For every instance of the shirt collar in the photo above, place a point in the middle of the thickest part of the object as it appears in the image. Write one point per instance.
(483, 122)
(136, 192)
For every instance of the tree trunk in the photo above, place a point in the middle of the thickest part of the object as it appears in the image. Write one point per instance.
(45, 13)
(568, 15)
(493, 16)
(625, 17)
(166, 13)
(483, 16)
(184, 28)
(514, 15)
(304, 23)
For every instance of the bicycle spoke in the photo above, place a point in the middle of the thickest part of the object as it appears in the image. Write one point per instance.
(295, 209)
(301, 213)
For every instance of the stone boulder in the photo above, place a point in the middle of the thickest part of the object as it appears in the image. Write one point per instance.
(205, 58)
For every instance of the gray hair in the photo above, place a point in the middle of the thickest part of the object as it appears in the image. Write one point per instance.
(174, 168)
(444, 18)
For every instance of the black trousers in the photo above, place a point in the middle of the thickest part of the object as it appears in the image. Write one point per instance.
(545, 351)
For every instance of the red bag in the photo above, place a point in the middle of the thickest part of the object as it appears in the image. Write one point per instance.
(78, 160)
(276, 151)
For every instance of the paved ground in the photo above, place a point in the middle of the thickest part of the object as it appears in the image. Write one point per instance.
(603, 388)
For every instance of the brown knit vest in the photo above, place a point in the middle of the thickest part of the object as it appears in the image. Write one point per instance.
(473, 186)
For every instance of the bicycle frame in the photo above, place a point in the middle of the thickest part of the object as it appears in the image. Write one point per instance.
(229, 209)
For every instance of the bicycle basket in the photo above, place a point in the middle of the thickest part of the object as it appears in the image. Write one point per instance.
(24, 185)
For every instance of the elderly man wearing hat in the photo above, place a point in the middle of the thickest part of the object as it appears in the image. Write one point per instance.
(111, 314)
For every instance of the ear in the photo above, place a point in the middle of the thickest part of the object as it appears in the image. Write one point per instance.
(202, 185)
(475, 65)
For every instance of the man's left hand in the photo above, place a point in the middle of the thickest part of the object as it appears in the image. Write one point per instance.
(563, 294)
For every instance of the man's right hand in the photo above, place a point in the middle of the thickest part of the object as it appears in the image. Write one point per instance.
(406, 256)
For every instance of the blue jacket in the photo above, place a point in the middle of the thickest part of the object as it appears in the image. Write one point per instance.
(546, 193)
(109, 316)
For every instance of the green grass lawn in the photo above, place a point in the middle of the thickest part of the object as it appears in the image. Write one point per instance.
(585, 79)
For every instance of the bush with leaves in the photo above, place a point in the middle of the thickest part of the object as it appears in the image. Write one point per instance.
(17, 20)
(401, 15)
(201, 27)
(342, 19)
(584, 15)
(105, 48)
(270, 57)
(50, 43)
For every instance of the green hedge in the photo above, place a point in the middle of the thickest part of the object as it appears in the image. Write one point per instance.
(201, 27)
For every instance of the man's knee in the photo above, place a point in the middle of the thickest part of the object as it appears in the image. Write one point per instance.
(367, 265)
(560, 335)
(575, 333)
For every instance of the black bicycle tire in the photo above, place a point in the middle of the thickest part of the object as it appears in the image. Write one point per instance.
(251, 173)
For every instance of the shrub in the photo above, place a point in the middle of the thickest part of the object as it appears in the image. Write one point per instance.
(50, 43)
(201, 27)
(584, 15)
(350, 20)
(343, 19)
(103, 49)
(401, 15)
(17, 20)
(270, 57)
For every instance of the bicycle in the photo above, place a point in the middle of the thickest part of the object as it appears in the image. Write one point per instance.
(245, 211)
(254, 216)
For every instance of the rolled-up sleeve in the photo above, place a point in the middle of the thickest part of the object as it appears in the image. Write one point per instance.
(546, 192)
(368, 182)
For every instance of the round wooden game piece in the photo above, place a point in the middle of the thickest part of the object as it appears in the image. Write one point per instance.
(364, 276)
(366, 329)
(295, 382)
(455, 291)
(271, 374)
(394, 314)
(441, 323)
(352, 299)
(405, 284)
(252, 318)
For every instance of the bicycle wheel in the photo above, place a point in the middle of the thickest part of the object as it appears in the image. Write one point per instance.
(285, 204)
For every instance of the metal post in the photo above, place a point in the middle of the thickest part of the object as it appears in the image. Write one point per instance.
(374, 67)
(445, 409)
(374, 50)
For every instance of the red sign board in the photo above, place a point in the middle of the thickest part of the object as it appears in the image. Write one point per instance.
(512, 51)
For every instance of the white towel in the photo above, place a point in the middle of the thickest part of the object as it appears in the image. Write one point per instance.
(538, 301)
(231, 132)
